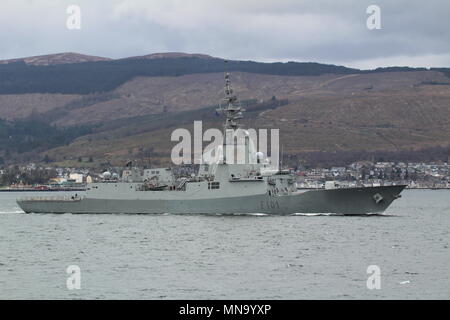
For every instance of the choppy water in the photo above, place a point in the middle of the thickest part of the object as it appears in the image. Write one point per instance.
(223, 257)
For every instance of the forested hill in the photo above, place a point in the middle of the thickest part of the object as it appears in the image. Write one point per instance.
(65, 107)
(100, 76)
(89, 77)
(25, 135)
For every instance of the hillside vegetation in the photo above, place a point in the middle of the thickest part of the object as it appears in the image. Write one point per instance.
(103, 112)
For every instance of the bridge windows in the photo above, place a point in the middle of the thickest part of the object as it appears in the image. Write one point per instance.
(214, 185)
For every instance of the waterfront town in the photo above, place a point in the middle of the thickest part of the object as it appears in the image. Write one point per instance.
(363, 173)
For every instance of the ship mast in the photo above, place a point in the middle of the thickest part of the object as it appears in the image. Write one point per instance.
(232, 108)
(233, 113)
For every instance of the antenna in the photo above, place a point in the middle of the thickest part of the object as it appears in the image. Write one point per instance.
(232, 110)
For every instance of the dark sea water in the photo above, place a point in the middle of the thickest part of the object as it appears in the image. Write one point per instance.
(228, 257)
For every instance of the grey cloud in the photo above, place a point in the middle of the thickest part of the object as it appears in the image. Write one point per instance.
(324, 31)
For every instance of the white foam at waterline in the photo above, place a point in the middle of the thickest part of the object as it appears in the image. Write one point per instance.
(255, 214)
(10, 211)
(313, 214)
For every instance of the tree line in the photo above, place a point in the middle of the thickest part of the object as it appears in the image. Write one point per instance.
(102, 76)
(31, 135)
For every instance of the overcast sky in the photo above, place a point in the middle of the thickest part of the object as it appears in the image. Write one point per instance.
(413, 32)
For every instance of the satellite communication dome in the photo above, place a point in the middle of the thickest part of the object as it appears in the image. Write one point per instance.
(259, 155)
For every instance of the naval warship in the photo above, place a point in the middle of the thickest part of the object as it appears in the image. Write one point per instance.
(218, 187)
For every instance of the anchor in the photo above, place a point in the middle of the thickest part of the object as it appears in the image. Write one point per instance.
(377, 197)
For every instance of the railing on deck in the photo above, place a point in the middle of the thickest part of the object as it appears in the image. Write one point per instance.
(66, 198)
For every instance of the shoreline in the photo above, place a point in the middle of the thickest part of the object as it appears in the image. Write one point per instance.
(34, 190)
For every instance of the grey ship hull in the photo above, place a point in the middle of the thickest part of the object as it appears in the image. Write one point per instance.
(349, 201)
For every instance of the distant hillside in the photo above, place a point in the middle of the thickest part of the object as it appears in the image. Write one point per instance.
(72, 73)
(78, 74)
(55, 59)
(109, 111)
(171, 55)
(25, 136)
(101, 76)
(389, 124)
